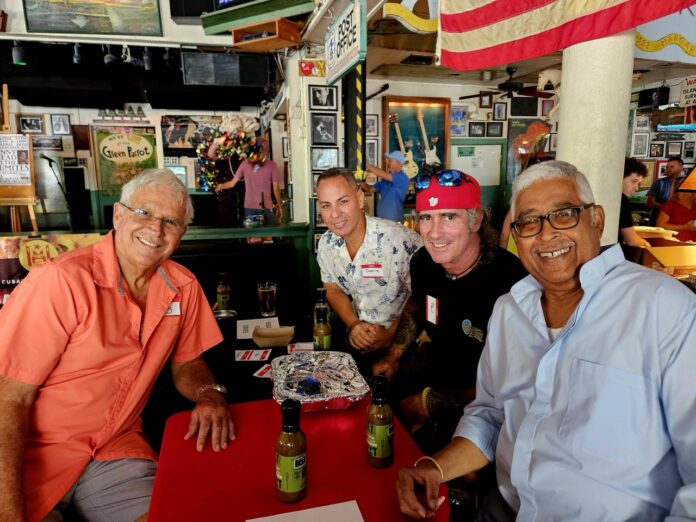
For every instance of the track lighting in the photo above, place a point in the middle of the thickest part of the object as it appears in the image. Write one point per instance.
(18, 54)
(147, 59)
(77, 55)
(108, 57)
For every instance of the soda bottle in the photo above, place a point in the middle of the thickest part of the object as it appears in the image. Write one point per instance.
(380, 425)
(223, 292)
(291, 455)
(322, 328)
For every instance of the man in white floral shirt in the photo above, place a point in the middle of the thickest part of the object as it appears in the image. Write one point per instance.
(364, 262)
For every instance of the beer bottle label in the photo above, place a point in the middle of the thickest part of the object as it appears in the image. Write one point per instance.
(291, 473)
(223, 301)
(322, 342)
(380, 440)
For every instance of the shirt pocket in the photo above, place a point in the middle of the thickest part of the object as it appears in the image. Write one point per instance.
(612, 414)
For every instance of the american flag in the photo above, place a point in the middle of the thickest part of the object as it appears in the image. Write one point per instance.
(475, 34)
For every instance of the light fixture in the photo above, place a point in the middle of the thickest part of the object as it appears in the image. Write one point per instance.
(108, 57)
(77, 56)
(18, 54)
(147, 59)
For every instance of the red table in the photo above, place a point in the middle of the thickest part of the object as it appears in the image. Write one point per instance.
(239, 483)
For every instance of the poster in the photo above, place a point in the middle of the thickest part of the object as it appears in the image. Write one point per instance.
(19, 254)
(14, 160)
(187, 132)
(526, 139)
(122, 153)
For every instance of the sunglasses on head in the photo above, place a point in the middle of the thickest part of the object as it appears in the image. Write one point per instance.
(445, 178)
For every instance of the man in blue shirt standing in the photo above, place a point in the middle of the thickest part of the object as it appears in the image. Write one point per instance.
(584, 393)
(392, 187)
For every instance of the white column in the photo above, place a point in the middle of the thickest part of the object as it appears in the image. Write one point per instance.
(593, 119)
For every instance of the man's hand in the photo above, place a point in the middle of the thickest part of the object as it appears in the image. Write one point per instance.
(426, 477)
(211, 415)
(387, 366)
(367, 336)
(413, 412)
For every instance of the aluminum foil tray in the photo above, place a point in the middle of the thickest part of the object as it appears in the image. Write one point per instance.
(319, 380)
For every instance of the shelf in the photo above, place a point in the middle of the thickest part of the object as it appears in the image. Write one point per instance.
(278, 34)
(256, 11)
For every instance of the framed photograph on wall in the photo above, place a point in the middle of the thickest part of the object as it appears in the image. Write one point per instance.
(477, 129)
(315, 177)
(657, 149)
(500, 111)
(318, 221)
(674, 148)
(494, 129)
(30, 124)
(639, 148)
(323, 129)
(60, 124)
(47, 143)
(552, 140)
(324, 158)
(546, 106)
(660, 168)
(317, 237)
(641, 123)
(323, 98)
(458, 118)
(372, 150)
(372, 125)
(689, 149)
(485, 100)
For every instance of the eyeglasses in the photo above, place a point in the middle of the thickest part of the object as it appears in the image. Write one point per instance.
(561, 219)
(445, 178)
(147, 218)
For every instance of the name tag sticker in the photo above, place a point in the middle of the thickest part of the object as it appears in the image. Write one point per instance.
(174, 308)
(373, 271)
(431, 309)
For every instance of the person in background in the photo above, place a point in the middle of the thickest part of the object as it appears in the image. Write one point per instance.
(84, 337)
(261, 177)
(634, 172)
(392, 187)
(679, 214)
(364, 262)
(584, 393)
(661, 190)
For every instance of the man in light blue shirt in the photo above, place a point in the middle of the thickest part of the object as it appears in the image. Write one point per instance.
(585, 396)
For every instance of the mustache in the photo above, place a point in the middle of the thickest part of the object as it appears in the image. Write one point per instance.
(560, 245)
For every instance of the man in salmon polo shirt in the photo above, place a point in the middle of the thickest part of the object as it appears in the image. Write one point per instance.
(83, 339)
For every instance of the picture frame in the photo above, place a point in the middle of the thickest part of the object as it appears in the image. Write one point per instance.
(323, 128)
(458, 119)
(674, 148)
(485, 100)
(477, 129)
(494, 129)
(641, 123)
(315, 177)
(47, 143)
(318, 221)
(372, 125)
(323, 98)
(660, 168)
(181, 172)
(546, 106)
(657, 149)
(372, 150)
(646, 181)
(324, 158)
(500, 111)
(315, 241)
(639, 145)
(457, 130)
(60, 124)
(96, 17)
(182, 134)
(30, 123)
(689, 149)
(552, 140)
(284, 147)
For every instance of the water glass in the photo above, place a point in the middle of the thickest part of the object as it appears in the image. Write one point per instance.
(267, 298)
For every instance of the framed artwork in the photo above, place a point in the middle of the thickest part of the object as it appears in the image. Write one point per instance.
(47, 143)
(657, 149)
(324, 158)
(546, 106)
(485, 100)
(689, 149)
(423, 129)
(499, 111)
(30, 124)
(642, 123)
(317, 237)
(646, 181)
(372, 125)
(552, 140)
(458, 118)
(318, 221)
(60, 124)
(494, 129)
(527, 138)
(674, 148)
(284, 143)
(660, 168)
(372, 150)
(639, 148)
(323, 129)
(184, 133)
(323, 98)
(315, 177)
(457, 131)
(477, 129)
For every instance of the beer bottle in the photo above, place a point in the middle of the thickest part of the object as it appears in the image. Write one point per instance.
(322, 328)
(223, 292)
(380, 426)
(291, 459)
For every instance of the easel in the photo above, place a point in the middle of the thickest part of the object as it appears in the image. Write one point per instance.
(15, 215)
(17, 196)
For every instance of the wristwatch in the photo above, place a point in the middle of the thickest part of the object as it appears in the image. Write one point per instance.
(217, 387)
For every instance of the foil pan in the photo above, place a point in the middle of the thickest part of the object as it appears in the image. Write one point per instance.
(319, 380)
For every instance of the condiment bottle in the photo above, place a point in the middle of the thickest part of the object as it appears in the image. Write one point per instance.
(322, 328)
(291, 458)
(380, 426)
(223, 292)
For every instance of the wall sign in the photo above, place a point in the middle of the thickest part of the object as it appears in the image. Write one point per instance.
(346, 41)
(688, 92)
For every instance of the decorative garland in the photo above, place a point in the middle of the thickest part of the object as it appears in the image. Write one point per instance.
(237, 143)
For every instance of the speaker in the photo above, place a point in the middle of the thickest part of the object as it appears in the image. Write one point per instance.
(524, 106)
(653, 98)
(190, 11)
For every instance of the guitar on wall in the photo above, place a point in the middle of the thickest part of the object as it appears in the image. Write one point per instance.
(409, 167)
(430, 153)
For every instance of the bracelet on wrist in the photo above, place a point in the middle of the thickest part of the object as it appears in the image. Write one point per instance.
(216, 387)
(435, 462)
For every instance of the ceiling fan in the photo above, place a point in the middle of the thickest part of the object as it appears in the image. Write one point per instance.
(511, 86)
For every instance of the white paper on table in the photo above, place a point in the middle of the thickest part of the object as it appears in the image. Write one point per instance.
(300, 347)
(343, 512)
(245, 327)
(252, 355)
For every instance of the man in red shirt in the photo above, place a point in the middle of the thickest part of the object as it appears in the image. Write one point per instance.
(83, 339)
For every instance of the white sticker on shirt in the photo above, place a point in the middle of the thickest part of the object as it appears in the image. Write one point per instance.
(373, 271)
(174, 309)
(431, 309)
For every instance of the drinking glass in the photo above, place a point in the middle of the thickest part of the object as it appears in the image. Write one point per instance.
(267, 298)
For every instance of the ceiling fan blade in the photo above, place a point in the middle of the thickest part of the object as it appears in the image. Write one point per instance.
(469, 97)
(532, 91)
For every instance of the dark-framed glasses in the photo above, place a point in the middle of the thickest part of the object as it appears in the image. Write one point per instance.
(561, 219)
(146, 217)
(445, 178)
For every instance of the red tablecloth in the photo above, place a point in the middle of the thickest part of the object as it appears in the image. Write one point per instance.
(239, 483)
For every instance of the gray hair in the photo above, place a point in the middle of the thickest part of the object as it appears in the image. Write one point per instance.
(165, 179)
(551, 170)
